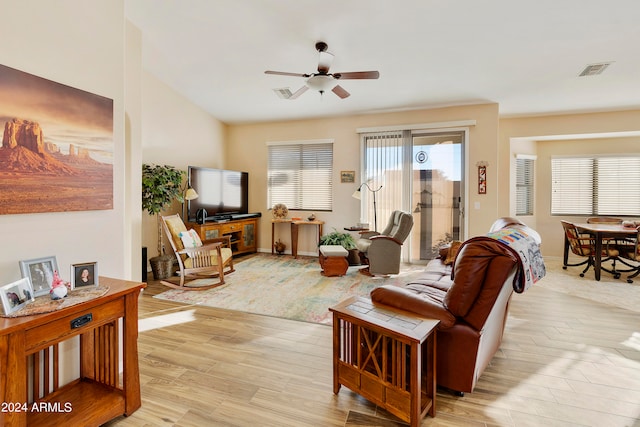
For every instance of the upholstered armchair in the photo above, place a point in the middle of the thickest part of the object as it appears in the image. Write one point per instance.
(381, 251)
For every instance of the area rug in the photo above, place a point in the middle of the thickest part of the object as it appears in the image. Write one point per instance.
(283, 286)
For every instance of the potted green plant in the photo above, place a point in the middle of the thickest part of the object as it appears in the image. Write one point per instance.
(161, 185)
(345, 240)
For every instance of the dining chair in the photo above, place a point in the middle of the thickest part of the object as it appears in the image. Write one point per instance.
(632, 252)
(583, 245)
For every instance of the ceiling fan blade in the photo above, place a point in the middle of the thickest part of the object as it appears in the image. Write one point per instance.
(357, 75)
(324, 62)
(299, 92)
(339, 90)
(282, 73)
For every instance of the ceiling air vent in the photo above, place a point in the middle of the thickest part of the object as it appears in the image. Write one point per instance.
(284, 93)
(594, 69)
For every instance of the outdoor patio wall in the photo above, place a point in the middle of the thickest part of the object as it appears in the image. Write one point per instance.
(247, 150)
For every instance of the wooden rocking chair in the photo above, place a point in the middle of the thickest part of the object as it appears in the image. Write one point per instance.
(212, 259)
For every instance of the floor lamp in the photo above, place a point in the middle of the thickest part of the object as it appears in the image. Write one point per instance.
(358, 195)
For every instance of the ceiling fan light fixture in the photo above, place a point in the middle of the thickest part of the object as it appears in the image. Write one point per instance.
(321, 83)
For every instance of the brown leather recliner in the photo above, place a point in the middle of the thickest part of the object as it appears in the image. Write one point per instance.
(471, 301)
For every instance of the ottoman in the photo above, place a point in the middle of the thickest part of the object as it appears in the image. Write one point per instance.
(333, 260)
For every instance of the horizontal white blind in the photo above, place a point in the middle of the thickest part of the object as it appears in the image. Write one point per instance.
(524, 186)
(572, 186)
(596, 186)
(617, 186)
(300, 176)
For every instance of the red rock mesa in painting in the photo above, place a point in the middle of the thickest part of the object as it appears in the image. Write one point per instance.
(57, 146)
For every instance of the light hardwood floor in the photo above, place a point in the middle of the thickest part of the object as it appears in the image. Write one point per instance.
(564, 361)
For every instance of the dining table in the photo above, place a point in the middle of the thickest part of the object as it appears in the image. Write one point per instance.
(600, 233)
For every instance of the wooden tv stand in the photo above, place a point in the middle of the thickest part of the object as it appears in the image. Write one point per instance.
(30, 362)
(243, 233)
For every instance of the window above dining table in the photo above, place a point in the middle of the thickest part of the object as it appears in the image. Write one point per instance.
(596, 185)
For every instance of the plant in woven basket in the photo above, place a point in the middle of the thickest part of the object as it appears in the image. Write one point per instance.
(161, 185)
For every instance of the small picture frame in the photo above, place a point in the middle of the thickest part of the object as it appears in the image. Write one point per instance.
(482, 179)
(347, 176)
(16, 295)
(39, 271)
(84, 274)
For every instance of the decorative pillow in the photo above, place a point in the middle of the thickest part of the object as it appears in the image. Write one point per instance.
(453, 251)
(190, 239)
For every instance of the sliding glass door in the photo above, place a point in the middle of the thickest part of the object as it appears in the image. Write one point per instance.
(418, 172)
(436, 191)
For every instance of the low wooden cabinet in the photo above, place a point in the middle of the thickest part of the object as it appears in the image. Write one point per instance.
(30, 362)
(243, 233)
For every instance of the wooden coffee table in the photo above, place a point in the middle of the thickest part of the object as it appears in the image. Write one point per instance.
(387, 356)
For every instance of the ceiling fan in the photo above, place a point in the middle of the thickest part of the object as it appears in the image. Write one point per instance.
(323, 80)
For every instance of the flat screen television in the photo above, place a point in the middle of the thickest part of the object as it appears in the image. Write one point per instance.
(220, 192)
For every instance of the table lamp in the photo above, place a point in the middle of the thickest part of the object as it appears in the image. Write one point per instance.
(189, 194)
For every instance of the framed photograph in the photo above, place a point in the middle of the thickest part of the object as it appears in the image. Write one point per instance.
(16, 295)
(39, 271)
(347, 176)
(85, 274)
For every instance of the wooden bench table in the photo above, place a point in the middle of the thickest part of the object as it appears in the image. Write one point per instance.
(387, 356)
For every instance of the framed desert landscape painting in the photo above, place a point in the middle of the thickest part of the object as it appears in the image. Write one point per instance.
(57, 146)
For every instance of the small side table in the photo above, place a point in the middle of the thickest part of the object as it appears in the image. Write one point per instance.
(355, 229)
(275, 221)
(387, 356)
(295, 224)
(294, 233)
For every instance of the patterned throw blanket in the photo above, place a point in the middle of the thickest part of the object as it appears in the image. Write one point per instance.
(526, 248)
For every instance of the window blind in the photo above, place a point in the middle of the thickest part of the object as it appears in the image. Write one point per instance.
(524, 186)
(608, 185)
(383, 166)
(300, 175)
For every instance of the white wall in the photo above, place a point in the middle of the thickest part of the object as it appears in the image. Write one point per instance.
(80, 44)
(550, 224)
(247, 150)
(178, 133)
(606, 132)
(133, 152)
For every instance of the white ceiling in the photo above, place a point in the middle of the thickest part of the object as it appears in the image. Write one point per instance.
(524, 55)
